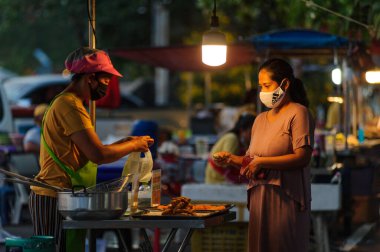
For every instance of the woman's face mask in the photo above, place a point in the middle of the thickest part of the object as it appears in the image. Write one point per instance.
(273, 99)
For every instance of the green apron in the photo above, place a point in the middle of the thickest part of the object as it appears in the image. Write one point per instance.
(84, 176)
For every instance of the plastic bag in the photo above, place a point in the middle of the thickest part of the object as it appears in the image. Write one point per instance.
(136, 164)
(146, 167)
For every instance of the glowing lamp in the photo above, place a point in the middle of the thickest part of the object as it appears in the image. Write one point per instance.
(214, 44)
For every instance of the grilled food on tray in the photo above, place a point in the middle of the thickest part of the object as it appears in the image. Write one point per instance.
(179, 206)
(182, 206)
(209, 207)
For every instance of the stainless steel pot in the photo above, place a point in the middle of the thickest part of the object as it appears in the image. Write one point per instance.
(85, 205)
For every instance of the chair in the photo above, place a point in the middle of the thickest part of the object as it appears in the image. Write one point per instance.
(25, 164)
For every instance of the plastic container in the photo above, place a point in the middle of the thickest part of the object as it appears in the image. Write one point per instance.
(145, 195)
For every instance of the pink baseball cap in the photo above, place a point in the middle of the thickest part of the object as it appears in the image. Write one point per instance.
(87, 60)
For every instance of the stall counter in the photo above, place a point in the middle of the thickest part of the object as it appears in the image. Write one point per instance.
(326, 198)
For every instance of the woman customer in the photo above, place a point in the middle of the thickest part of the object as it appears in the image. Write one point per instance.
(276, 163)
(236, 142)
(69, 140)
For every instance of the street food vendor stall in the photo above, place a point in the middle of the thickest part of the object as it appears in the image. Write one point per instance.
(152, 218)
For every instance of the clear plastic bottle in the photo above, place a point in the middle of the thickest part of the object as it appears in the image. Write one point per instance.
(145, 195)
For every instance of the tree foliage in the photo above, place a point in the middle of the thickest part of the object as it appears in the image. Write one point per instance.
(59, 26)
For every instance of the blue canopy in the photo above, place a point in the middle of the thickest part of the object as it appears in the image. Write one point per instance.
(298, 39)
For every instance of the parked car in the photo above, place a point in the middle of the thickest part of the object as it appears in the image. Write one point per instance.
(20, 95)
(28, 91)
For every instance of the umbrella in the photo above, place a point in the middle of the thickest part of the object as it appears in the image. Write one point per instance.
(299, 42)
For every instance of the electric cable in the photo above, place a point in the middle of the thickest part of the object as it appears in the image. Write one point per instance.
(310, 3)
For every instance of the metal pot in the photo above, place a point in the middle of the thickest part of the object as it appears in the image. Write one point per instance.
(85, 205)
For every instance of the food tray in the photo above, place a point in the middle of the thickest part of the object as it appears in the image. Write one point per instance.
(154, 213)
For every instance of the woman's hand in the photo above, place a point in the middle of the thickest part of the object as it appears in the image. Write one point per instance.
(221, 158)
(252, 169)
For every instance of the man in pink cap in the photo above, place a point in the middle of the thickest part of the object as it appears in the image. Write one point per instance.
(70, 148)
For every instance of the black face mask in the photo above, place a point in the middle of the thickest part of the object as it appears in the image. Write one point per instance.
(99, 92)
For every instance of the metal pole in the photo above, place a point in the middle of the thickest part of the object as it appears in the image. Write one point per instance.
(161, 23)
(207, 89)
(347, 107)
(92, 44)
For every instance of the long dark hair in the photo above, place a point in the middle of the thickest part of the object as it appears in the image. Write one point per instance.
(280, 69)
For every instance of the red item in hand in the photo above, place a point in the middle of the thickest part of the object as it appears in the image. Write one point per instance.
(246, 161)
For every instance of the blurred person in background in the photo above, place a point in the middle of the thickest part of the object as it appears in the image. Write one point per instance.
(249, 102)
(168, 150)
(71, 148)
(31, 141)
(234, 141)
(227, 115)
(277, 163)
(168, 161)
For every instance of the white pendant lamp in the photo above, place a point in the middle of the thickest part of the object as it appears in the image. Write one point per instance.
(373, 76)
(336, 76)
(214, 45)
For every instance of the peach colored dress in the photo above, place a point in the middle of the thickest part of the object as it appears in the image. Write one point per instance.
(279, 203)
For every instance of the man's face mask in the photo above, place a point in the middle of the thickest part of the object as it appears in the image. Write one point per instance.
(99, 92)
(273, 99)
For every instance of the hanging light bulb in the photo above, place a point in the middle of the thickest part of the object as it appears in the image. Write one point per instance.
(214, 45)
(336, 73)
(373, 76)
(336, 76)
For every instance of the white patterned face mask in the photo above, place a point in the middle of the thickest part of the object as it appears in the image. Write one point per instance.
(273, 98)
